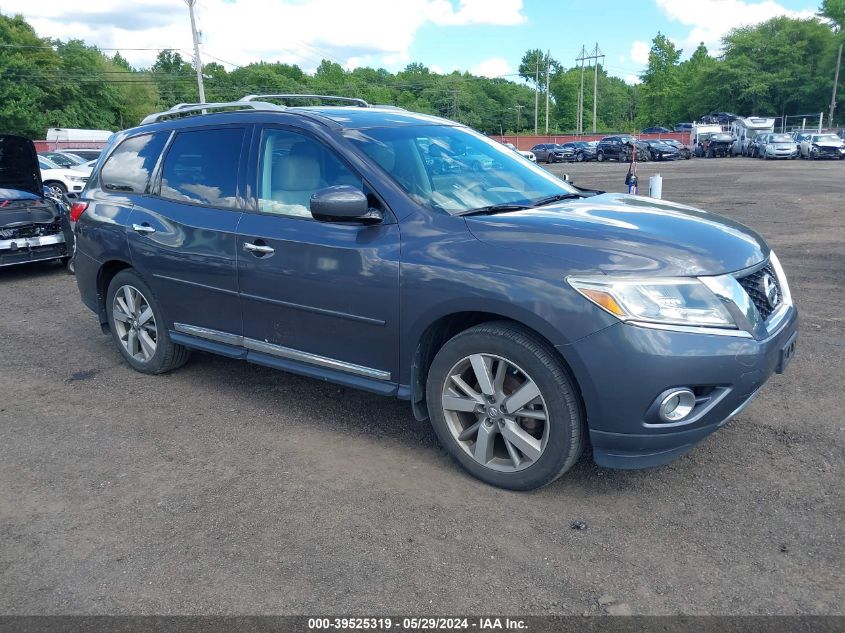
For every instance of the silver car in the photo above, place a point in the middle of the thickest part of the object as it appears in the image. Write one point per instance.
(777, 146)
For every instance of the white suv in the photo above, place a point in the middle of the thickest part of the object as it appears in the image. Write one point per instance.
(60, 180)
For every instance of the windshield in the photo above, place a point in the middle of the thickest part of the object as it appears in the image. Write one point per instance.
(781, 138)
(71, 158)
(455, 169)
(826, 138)
(45, 163)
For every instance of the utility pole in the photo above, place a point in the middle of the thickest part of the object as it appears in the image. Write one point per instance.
(579, 122)
(596, 54)
(536, 90)
(548, 64)
(518, 109)
(197, 60)
(835, 81)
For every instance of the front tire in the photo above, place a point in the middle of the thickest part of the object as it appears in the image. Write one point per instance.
(138, 327)
(505, 407)
(600, 157)
(56, 188)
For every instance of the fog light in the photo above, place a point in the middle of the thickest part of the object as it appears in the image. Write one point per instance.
(676, 405)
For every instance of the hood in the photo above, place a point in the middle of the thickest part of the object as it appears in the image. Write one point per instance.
(827, 143)
(19, 168)
(627, 235)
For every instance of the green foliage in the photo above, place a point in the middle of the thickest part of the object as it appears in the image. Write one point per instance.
(783, 66)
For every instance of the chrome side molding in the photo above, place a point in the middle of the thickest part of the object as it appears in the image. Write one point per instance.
(280, 351)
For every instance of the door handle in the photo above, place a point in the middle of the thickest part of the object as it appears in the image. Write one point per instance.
(143, 228)
(258, 248)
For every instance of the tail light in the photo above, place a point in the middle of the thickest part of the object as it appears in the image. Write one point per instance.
(76, 210)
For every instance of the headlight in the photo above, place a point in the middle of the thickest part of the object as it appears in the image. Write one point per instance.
(670, 301)
(78, 178)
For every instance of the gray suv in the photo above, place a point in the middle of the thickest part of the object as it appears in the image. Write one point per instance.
(525, 317)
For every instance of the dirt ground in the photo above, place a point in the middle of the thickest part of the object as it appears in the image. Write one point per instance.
(231, 488)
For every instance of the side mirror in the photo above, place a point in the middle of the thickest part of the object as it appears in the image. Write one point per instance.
(343, 202)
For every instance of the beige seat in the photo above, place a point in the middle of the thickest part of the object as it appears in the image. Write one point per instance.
(295, 178)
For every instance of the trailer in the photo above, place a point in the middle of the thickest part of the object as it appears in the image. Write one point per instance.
(699, 133)
(746, 129)
(68, 134)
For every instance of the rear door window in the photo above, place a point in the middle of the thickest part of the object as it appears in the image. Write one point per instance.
(129, 167)
(201, 167)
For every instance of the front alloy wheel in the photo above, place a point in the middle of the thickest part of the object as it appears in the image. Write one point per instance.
(495, 412)
(505, 406)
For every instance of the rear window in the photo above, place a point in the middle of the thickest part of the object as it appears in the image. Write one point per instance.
(129, 167)
(201, 167)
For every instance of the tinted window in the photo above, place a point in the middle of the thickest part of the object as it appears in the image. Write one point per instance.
(292, 168)
(201, 166)
(130, 165)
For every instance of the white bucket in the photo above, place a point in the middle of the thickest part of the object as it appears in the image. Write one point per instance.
(655, 186)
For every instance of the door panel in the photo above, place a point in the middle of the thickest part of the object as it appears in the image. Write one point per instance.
(327, 289)
(189, 261)
(182, 238)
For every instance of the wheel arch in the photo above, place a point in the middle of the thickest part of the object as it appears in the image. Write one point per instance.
(446, 326)
(106, 273)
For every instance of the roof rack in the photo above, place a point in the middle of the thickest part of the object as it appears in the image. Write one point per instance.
(359, 102)
(191, 109)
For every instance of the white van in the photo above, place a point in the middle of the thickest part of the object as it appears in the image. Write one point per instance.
(73, 134)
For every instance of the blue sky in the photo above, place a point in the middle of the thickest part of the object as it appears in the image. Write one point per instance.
(482, 36)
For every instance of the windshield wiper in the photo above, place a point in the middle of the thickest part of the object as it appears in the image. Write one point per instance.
(495, 208)
(556, 198)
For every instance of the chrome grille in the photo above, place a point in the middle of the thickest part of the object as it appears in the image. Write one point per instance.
(755, 286)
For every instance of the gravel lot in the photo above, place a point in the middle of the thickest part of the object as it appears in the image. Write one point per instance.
(230, 488)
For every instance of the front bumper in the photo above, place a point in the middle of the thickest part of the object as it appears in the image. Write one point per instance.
(623, 368)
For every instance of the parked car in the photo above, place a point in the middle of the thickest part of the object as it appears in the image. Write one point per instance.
(723, 118)
(815, 146)
(620, 148)
(683, 127)
(68, 161)
(772, 146)
(582, 151)
(683, 150)
(525, 317)
(656, 129)
(84, 153)
(552, 153)
(527, 154)
(713, 144)
(33, 225)
(660, 150)
(60, 180)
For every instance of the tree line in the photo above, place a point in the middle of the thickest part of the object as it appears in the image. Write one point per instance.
(784, 66)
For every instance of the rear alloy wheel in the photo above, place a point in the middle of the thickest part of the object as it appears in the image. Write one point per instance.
(505, 408)
(138, 327)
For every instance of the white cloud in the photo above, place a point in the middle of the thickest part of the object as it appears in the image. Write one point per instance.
(374, 32)
(623, 59)
(640, 51)
(493, 67)
(710, 20)
(632, 79)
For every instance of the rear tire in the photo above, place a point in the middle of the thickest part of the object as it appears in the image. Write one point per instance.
(138, 327)
(525, 446)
